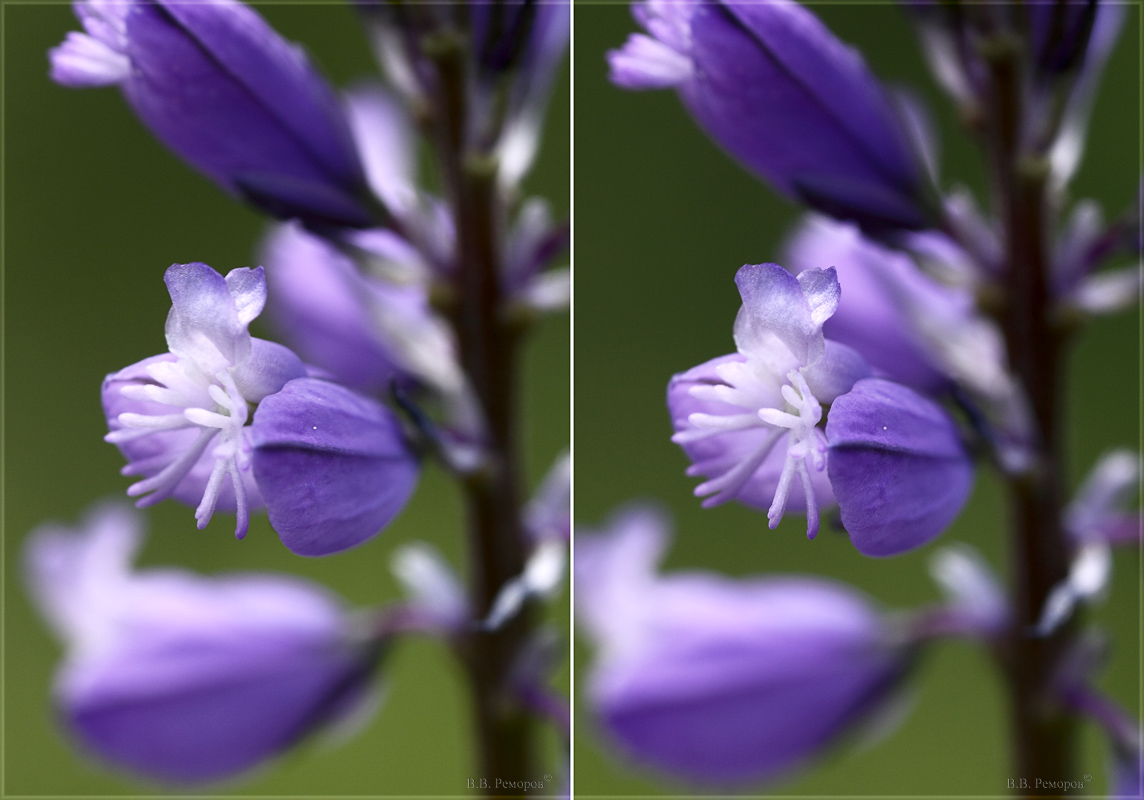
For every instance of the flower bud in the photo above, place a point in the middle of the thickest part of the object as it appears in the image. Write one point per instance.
(775, 88)
(222, 89)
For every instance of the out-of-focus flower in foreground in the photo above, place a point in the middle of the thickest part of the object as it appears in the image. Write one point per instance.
(722, 681)
(183, 678)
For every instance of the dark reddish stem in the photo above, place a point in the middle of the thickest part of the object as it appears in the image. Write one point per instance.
(489, 348)
(1044, 731)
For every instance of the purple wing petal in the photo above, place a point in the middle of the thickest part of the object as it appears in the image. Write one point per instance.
(897, 466)
(332, 464)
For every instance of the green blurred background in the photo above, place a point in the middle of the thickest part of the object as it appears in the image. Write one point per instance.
(95, 210)
(663, 221)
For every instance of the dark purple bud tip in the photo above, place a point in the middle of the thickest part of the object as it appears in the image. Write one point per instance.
(897, 466)
(876, 208)
(332, 465)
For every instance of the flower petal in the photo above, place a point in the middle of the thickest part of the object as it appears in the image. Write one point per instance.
(776, 305)
(897, 467)
(218, 86)
(333, 466)
(204, 323)
(188, 679)
(719, 681)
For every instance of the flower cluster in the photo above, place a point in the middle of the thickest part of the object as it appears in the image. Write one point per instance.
(907, 340)
(389, 361)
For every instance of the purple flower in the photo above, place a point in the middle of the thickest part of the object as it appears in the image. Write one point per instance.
(224, 91)
(180, 418)
(548, 514)
(183, 678)
(720, 681)
(750, 421)
(1100, 516)
(528, 98)
(333, 466)
(334, 463)
(782, 95)
(897, 467)
(1103, 31)
(1060, 33)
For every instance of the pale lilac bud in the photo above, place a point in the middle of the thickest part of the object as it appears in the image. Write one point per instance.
(884, 293)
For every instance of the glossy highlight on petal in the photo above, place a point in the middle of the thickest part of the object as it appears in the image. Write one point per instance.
(897, 466)
(333, 466)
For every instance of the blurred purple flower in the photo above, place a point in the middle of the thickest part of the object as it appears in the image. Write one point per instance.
(333, 466)
(1067, 149)
(1100, 516)
(775, 88)
(548, 514)
(719, 681)
(1059, 33)
(335, 317)
(1076, 674)
(897, 467)
(514, 52)
(183, 678)
(884, 293)
(730, 414)
(528, 100)
(1102, 509)
(224, 91)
